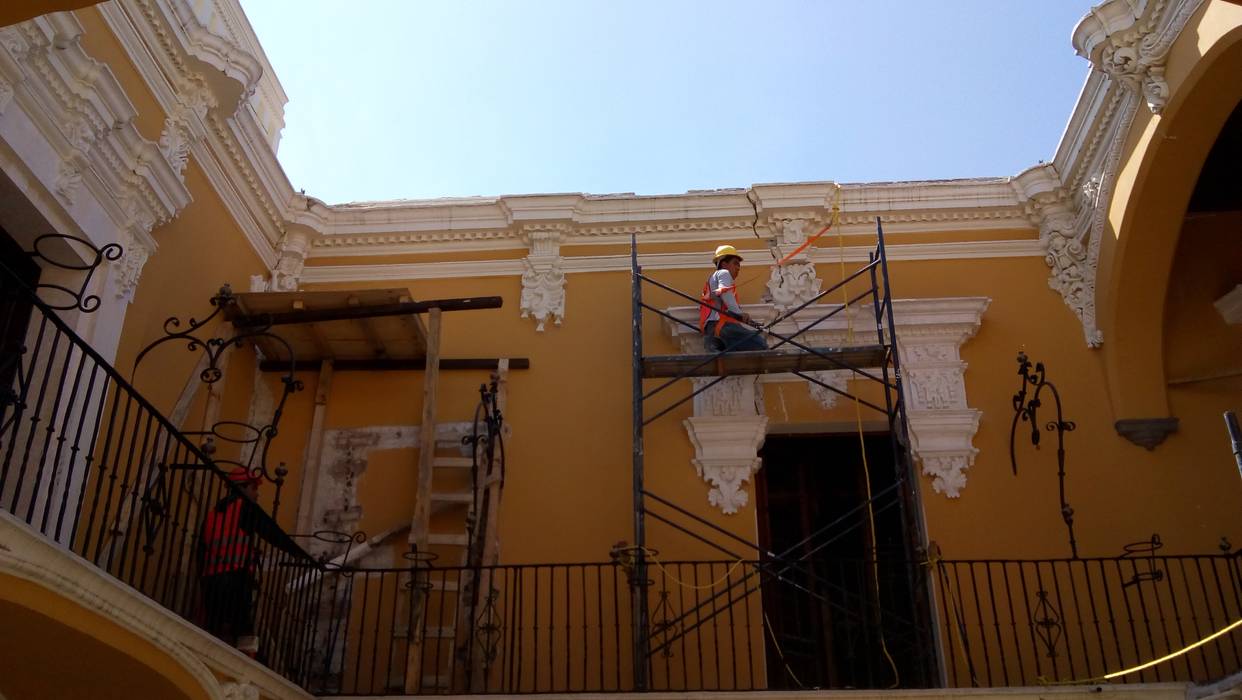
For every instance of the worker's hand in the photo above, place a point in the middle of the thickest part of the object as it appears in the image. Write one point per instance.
(746, 318)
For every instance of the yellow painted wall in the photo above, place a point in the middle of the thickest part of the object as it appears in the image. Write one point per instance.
(41, 631)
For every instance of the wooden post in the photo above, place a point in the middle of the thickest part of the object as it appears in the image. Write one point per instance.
(314, 450)
(421, 524)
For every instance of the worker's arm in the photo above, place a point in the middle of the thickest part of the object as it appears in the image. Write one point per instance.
(725, 289)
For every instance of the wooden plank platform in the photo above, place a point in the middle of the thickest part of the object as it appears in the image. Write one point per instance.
(762, 362)
(399, 337)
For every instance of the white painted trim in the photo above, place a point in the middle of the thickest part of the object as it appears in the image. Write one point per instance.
(321, 274)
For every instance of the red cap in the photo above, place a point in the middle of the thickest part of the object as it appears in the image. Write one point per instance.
(242, 477)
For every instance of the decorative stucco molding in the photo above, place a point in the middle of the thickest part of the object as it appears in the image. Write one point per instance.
(70, 127)
(290, 262)
(837, 379)
(1130, 39)
(930, 334)
(185, 126)
(795, 282)
(128, 270)
(727, 430)
(1064, 233)
(543, 282)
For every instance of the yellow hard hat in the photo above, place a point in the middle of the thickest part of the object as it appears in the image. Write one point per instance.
(723, 251)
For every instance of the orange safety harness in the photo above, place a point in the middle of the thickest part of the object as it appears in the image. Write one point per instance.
(709, 302)
(228, 546)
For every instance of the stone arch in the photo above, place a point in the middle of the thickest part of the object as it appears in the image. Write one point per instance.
(1166, 153)
(43, 628)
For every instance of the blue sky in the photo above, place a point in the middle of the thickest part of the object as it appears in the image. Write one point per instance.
(406, 99)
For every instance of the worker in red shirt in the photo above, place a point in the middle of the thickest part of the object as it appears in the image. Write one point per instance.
(229, 561)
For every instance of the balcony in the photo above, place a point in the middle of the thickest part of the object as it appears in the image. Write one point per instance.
(98, 474)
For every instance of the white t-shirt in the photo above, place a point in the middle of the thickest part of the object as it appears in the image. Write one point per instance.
(721, 278)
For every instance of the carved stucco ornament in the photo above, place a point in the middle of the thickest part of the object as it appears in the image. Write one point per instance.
(795, 282)
(942, 426)
(543, 282)
(727, 430)
(1130, 40)
(1065, 232)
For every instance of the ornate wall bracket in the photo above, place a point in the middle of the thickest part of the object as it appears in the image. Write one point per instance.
(725, 449)
(290, 261)
(543, 282)
(1066, 236)
(942, 426)
(1130, 39)
(1147, 433)
(727, 431)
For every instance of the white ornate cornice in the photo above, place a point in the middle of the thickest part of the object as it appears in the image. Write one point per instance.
(66, 117)
(1130, 39)
(223, 105)
(317, 274)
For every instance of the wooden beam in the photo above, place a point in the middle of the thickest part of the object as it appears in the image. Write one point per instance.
(420, 526)
(314, 450)
(368, 330)
(376, 311)
(385, 364)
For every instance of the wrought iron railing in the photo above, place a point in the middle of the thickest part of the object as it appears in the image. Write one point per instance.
(1013, 623)
(88, 462)
(560, 628)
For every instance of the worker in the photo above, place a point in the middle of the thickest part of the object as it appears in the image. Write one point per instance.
(229, 561)
(722, 321)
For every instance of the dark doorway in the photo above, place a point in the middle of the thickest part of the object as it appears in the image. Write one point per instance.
(18, 275)
(837, 616)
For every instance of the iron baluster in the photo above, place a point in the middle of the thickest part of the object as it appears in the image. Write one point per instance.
(1027, 410)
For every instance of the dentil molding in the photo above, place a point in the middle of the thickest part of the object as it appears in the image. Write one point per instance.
(930, 334)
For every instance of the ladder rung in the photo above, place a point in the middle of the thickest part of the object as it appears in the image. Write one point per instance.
(453, 497)
(438, 538)
(451, 462)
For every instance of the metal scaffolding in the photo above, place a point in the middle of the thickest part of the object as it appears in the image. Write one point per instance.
(876, 363)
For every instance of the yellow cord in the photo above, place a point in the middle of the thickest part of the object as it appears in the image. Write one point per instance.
(651, 554)
(767, 624)
(1148, 664)
(862, 447)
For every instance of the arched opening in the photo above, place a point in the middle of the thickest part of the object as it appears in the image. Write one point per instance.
(1201, 347)
(1135, 275)
(53, 647)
